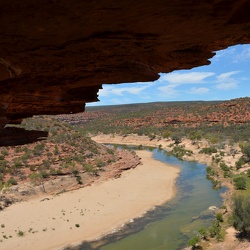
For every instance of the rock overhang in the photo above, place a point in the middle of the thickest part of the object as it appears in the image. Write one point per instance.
(55, 55)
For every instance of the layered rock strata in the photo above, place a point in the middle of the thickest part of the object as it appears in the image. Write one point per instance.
(55, 55)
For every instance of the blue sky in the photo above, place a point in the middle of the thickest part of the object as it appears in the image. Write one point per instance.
(227, 77)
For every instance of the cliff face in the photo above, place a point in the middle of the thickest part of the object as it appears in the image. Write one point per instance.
(54, 55)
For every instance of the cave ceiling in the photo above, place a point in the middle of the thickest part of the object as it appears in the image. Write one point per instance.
(55, 55)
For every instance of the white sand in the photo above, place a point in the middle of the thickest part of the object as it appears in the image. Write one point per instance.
(98, 209)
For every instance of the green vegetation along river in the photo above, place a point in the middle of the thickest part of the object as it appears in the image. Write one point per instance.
(171, 225)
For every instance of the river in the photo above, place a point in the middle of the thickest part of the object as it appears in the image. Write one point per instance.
(171, 225)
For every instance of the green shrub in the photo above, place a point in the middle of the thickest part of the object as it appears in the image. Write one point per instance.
(227, 174)
(99, 163)
(5, 152)
(209, 150)
(224, 166)
(248, 173)
(91, 169)
(75, 172)
(17, 164)
(240, 183)
(239, 163)
(25, 157)
(241, 214)
(194, 242)
(110, 151)
(32, 168)
(177, 139)
(18, 149)
(214, 229)
(203, 233)
(52, 171)
(152, 137)
(46, 164)
(44, 174)
(56, 151)
(166, 134)
(12, 181)
(180, 151)
(246, 151)
(219, 217)
(49, 154)
(35, 176)
(79, 179)
(195, 136)
(211, 171)
(3, 165)
(20, 233)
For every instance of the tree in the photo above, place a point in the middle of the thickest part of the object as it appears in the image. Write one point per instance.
(38, 177)
(241, 214)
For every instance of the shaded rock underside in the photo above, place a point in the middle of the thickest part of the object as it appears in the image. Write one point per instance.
(55, 55)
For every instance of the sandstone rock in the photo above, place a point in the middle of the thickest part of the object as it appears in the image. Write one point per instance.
(212, 208)
(55, 55)
(5, 201)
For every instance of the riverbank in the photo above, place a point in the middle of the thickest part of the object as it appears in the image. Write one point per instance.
(231, 240)
(53, 222)
(134, 139)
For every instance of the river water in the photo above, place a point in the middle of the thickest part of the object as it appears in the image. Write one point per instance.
(171, 225)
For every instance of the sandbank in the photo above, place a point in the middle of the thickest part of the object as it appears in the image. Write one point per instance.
(53, 222)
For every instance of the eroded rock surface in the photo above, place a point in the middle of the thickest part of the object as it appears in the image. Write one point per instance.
(55, 55)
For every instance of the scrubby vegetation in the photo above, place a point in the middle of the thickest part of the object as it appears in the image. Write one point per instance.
(66, 151)
(180, 151)
(215, 121)
(241, 214)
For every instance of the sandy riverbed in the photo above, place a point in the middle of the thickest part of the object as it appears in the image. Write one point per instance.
(90, 212)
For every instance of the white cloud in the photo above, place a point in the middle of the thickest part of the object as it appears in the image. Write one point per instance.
(226, 81)
(198, 91)
(235, 54)
(175, 80)
(116, 101)
(226, 76)
(244, 55)
(168, 91)
(120, 91)
(227, 85)
(185, 78)
(225, 53)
